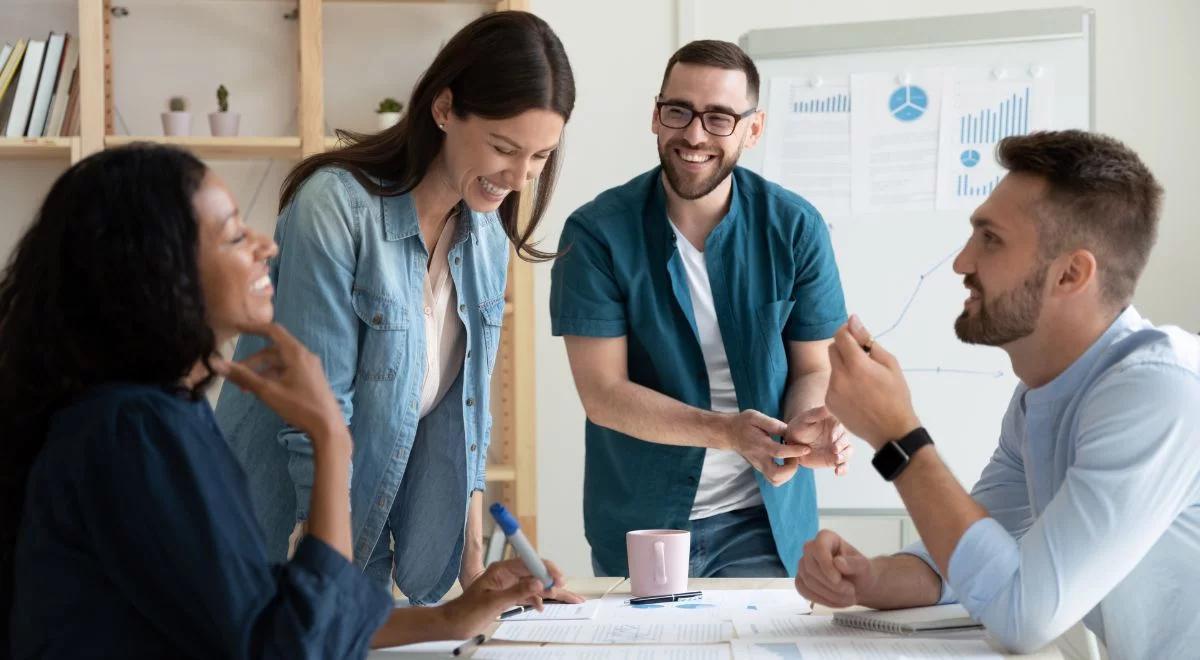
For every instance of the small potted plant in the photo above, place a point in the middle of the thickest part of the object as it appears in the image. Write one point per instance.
(223, 122)
(177, 120)
(388, 113)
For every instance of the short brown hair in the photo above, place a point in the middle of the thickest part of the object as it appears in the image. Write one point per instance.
(1101, 197)
(718, 54)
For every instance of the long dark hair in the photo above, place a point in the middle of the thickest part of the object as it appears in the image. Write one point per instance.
(496, 67)
(102, 287)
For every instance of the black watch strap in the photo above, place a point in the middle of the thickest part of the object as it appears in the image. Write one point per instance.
(893, 457)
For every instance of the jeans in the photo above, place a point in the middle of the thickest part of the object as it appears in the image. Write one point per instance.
(729, 545)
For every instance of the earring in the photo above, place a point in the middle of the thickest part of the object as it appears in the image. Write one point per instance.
(442, 126)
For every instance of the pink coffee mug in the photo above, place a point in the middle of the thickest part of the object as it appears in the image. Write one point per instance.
(658, 561)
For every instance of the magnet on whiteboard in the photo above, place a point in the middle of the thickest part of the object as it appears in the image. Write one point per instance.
(816, 81)
(904, 78)
(999, 73)
(1036, 71)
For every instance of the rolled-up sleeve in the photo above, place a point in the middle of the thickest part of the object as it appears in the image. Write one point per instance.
(585, 299)
(1135, 470)
(820, 307)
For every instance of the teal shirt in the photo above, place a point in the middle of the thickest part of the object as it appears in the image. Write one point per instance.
(773, 278)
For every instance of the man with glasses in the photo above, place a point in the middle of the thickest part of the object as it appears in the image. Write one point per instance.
(697, 302)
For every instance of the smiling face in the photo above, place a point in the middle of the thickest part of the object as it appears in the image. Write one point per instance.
(483, 160)
(232, 261)
(695, 161)
(1001, 267)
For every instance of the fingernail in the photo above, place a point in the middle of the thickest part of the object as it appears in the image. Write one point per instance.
(855, 324)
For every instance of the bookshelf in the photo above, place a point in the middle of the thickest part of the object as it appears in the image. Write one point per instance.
(512, 462)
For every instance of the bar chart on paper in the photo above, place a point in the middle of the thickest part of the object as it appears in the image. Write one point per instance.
(834, 102)
(978, 112)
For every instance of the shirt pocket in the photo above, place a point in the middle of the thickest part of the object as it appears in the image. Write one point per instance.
(492, 313)
(772, 317)
(383, 336)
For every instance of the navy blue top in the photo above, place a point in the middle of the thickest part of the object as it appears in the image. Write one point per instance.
(138, 540)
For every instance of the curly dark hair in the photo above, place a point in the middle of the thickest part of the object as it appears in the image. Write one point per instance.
(103, 287)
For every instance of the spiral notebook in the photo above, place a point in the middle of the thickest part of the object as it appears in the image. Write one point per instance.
(916, 619)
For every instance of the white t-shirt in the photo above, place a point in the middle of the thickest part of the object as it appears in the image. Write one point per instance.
(727, 481)
(445, 336)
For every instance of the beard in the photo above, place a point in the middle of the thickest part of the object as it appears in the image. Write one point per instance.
(1012, 315)
(692, 186)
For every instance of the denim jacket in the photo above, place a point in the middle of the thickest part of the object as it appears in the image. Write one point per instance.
(349, 283)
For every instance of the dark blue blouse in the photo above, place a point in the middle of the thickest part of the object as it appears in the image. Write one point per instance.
(138, 540)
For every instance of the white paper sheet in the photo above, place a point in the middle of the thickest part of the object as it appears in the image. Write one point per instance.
(715, 605)
(808, 141)
(978, 110)
(561, 612)
(632, 632)
(825, 648)
(768, 626)
(894, 122)
(573, 652)
(425, 649)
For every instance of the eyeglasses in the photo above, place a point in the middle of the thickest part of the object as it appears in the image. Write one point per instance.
(720, 124)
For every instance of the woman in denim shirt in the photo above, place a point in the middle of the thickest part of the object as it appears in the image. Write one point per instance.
(392, 267)
(137, 538)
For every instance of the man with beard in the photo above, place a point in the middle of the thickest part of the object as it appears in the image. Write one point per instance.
(1090, 506)
(697, 302)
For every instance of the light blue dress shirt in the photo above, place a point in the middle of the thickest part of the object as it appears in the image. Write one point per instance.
(1094, 497)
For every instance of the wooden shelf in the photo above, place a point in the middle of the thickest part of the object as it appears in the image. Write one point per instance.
(56, 148)
(220, 147)
(501, 474)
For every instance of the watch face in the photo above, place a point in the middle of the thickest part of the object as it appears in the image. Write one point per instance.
(889, 460)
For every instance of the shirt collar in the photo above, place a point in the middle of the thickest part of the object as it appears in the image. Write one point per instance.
(400, 219)
(1073, 376)
(658, 208)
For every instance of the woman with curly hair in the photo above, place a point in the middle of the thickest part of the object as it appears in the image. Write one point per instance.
(128, 529)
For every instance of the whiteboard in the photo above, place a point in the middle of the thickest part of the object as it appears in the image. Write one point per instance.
(896, 266)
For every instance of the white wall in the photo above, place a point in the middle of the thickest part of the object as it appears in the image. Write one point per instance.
(1145, 56)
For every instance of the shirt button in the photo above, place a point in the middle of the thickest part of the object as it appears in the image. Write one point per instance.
(377, 319)
(457, 260)
(462, 308)
(428, 311)
(473, 447)
(470, 402)
(691, 480)
(468, 352)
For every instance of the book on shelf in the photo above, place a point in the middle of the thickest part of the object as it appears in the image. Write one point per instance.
(31, 69)
(5, 51)
(45, 87)
(7, 75)
(66, 73)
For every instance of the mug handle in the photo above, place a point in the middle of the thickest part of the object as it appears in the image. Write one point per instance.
(660, 563)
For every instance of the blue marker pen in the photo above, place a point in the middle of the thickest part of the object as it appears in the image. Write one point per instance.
(520, 544)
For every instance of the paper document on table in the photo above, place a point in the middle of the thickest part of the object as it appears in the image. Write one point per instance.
(714, 605)
(808, 144)
(828, 648)
(894, 123)
(775, 626)
(630, 632)
(656, 652)
(561, 612)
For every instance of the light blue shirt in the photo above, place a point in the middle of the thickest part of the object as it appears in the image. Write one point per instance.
(1094, 497)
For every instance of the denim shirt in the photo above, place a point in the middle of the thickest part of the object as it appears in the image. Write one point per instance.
(349, 283)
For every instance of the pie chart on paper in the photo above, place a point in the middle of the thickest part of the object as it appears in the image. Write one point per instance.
(908, 103)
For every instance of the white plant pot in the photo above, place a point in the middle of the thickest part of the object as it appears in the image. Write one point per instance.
(177, 123)
(223, 124)
(387, 119)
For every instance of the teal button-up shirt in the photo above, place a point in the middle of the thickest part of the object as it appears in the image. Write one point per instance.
(774, 279)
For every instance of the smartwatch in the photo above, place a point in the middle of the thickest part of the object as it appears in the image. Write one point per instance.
(893, 457)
